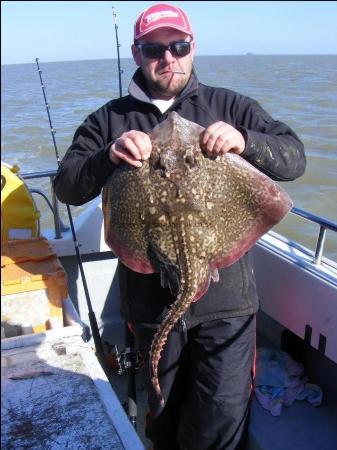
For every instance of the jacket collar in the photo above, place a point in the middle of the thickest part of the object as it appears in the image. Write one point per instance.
(137, 87)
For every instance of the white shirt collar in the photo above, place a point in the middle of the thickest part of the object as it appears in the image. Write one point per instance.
(139, 94)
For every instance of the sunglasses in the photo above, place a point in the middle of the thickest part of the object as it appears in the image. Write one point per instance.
(156, 51)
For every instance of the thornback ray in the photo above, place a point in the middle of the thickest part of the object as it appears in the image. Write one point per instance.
(186, 215)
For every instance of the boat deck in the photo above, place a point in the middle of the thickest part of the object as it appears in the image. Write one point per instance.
(300, 426)
(55, 395)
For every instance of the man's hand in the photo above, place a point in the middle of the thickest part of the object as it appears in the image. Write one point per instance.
(132, 147)
(220, 138)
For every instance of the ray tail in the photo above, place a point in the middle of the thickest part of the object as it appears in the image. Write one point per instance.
(193, 274)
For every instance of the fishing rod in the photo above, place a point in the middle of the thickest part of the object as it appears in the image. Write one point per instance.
(129, 355)
(120, 71)
(91, 314)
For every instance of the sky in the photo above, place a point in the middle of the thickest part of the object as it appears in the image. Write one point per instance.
(83, 30)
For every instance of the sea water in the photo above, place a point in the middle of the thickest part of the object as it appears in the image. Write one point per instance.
(298, 90)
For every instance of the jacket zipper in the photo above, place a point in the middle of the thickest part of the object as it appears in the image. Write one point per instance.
(183, 325)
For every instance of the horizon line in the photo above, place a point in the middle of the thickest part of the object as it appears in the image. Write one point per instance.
(248, 54)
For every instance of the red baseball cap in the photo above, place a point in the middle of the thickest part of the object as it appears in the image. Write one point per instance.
(160, 16)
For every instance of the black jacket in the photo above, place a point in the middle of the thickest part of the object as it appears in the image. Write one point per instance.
(271, 146)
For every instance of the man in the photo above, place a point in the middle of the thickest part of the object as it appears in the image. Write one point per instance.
(205, 372)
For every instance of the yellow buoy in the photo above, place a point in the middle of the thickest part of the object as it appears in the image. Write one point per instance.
(19, 214)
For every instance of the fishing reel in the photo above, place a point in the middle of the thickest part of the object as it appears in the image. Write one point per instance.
(121, 362)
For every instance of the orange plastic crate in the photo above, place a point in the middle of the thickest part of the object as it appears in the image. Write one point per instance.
(33, 285)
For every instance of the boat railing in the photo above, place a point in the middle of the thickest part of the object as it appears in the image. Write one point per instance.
(59, 227)
(324, 225)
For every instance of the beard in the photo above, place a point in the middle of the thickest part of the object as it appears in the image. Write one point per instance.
(168, 85)
(167, 88)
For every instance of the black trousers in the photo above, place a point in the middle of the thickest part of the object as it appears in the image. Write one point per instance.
(206, 377)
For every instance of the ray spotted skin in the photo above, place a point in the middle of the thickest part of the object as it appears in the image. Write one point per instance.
(186, 215)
